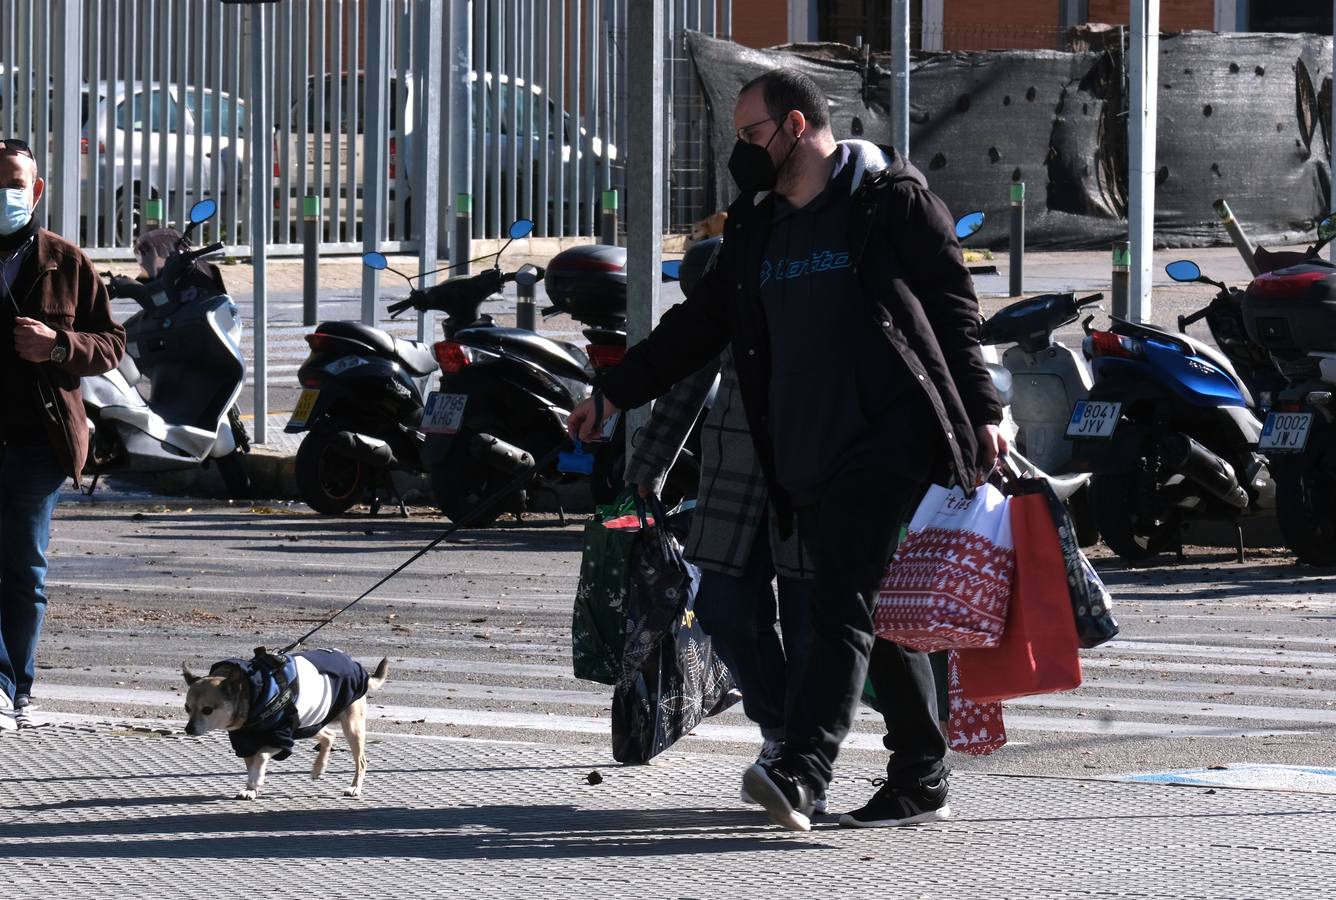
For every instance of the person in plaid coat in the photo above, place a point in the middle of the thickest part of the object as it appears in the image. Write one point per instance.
(736, 544)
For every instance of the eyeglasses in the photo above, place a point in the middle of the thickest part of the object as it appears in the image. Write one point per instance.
(742, 132)
(16, 147)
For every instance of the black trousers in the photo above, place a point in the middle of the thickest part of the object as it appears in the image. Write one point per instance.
(851, 535)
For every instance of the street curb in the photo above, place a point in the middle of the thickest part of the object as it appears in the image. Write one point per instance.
(273, 476)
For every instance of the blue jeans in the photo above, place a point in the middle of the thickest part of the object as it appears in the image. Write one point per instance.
(30, 480)
(739, 612)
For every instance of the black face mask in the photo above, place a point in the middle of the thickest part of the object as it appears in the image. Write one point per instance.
(752, 168)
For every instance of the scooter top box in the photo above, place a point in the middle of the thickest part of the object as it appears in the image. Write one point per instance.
(1292, 310)
(589, 283)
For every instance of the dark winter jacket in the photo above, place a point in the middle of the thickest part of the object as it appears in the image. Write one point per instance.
(903, 240)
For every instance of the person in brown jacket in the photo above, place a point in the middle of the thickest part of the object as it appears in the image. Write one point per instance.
(57, 327)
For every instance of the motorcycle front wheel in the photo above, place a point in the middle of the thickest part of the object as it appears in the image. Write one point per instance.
(236, 481)
(328, 480)
(1306, 510)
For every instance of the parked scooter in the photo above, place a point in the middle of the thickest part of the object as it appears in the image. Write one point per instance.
(1171, 430)
(361, 403)
(1289, 310)
(171, 403)
(505, 393)
(588, 283)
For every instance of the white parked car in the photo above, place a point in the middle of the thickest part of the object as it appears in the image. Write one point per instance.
(400, 138)
(128, 110)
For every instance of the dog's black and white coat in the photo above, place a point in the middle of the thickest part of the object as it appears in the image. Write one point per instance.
(325, 683)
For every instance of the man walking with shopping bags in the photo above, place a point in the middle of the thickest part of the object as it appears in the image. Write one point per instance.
(853, 322)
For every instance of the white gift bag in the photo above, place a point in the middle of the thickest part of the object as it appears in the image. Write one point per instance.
(948, 585)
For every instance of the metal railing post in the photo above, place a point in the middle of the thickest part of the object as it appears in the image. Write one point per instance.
(310, 259)
(1017, 249)
(1245, 246)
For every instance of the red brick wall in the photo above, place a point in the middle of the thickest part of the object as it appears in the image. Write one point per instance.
(990, 25)
(761, 23)
(1175, 15)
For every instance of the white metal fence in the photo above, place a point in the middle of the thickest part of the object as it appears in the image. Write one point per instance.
(164, 90)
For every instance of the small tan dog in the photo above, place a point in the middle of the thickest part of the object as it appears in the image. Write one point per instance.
(708, 227)
(268, 702)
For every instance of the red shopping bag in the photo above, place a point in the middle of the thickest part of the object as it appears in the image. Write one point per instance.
(1038, 651)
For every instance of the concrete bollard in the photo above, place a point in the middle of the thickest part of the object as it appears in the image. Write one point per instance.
(1121, 283)
(525, 309)
(463, 249)
(152, 213)
(1017, 247)
(310, 260)
(607, 232)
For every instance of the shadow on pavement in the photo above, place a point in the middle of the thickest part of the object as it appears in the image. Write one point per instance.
(512, 832)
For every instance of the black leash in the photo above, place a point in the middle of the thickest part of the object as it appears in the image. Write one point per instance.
(481, 508)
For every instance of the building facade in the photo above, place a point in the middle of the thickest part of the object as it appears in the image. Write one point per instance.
(988, 24)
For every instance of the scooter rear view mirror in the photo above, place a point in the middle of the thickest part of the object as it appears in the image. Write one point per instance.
(203, 211)
(374, 260)
(671, 269)
(521, 228)
(1183, 270)
(1326, 231)
(968, 224)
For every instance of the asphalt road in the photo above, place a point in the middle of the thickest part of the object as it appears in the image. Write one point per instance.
(1218, 663)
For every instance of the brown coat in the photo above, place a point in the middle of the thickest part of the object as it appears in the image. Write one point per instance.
(59, 287)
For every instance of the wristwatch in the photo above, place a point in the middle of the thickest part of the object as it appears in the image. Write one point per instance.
(59, 352)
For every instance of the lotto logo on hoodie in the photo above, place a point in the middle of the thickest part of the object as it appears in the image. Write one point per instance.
(819, 261)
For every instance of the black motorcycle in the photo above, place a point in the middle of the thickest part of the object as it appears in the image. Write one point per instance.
(360, 406)
(505, 393)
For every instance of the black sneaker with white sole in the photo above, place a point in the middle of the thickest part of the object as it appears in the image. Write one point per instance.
(787, 797)
(891, 806)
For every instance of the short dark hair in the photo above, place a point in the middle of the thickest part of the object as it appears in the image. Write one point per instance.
(788, 89)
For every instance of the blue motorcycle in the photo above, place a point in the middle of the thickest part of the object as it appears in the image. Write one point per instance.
(1170, 430)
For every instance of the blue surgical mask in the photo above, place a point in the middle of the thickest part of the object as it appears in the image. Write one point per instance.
(15, 210)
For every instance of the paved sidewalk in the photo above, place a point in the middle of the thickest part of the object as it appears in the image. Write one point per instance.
(115, 811)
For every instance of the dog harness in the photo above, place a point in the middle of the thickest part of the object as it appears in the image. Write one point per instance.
(292, 697)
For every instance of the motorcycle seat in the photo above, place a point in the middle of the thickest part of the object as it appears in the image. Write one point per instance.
(417, 358)
(379, 341)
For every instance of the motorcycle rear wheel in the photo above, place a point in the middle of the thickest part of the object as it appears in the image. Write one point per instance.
(460, 483)
(1307, 516)
(329, 481)
(1126, 531)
